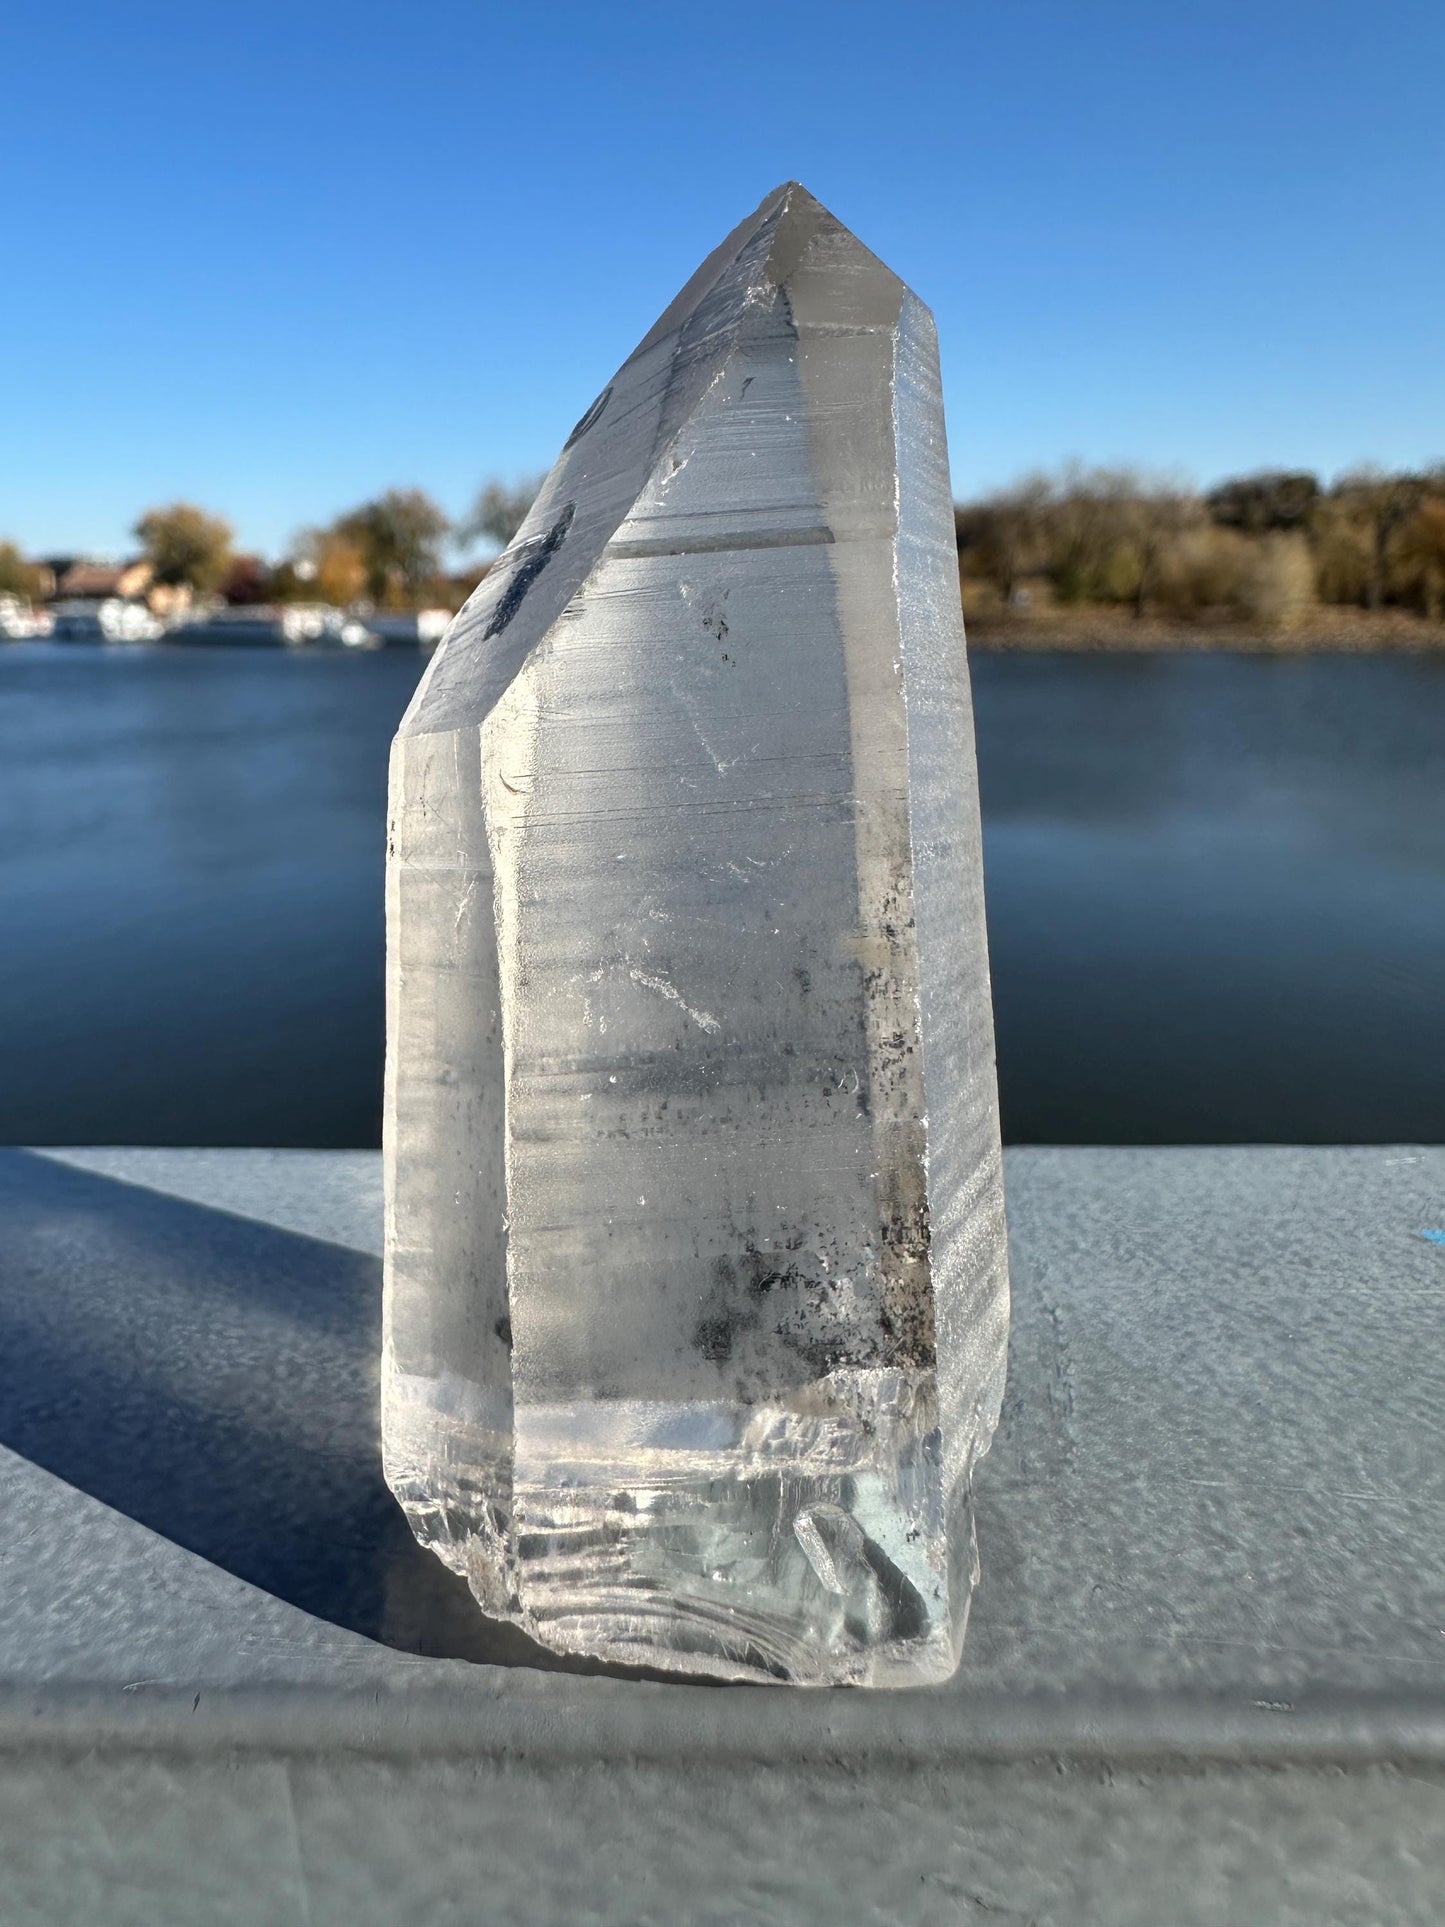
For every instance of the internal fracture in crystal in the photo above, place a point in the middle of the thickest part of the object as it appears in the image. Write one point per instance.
(696, 1292)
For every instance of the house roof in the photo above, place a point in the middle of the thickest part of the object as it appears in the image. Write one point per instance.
(105, 578)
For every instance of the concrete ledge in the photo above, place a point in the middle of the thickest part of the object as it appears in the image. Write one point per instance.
(1212, 1531)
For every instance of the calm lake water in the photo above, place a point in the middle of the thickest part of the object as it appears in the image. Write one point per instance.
(1216, 892)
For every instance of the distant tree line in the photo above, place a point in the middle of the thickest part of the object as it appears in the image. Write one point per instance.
(1263, 547)
(390, 551)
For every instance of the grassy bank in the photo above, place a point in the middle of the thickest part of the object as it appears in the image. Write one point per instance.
(1332, 630)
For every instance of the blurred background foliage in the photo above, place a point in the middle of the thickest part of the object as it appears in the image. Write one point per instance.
(1264, 549)
(1270, 550)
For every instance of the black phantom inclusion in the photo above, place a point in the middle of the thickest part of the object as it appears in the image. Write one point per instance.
(696, 1281)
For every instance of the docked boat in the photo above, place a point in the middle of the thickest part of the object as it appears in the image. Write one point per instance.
(318, 625)
(108, 619)
(267, 626)
(19, 622)
(250, 628)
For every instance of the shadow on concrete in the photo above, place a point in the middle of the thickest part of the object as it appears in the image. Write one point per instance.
(216, 1380)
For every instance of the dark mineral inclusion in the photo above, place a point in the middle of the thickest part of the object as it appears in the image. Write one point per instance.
(696, 1298)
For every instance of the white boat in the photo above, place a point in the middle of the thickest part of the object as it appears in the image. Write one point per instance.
(111, 619)
(19, 622)
(268, 626)
(318, 625)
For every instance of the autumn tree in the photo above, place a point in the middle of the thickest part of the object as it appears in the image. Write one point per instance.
(500, 510)
(1004, 537)
(1380, 504)
(1109, 530)
(1343, 553)
(1153, 515)
(324, 566)
(1422, 553)
(1206, 568)
(398, 538)
(247, 582)
(1273, 499)
(184, 544)
(19, 577)
(341, 570)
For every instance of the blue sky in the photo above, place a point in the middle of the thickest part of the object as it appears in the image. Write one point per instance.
(274, 258)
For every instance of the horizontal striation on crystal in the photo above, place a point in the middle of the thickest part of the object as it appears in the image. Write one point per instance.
(696, 1297)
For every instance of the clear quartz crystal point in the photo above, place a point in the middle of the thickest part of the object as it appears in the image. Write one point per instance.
(696, 1291)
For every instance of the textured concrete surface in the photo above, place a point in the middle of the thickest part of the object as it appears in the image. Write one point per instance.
(1203, 1682)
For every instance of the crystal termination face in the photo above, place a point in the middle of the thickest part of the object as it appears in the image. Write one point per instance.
(696, 1287)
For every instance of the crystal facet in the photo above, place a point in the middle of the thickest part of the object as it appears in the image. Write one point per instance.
(697, 1300)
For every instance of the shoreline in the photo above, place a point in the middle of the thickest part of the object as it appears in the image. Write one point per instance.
(1096, 631)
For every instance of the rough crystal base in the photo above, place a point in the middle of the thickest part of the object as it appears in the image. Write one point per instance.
(736, 1541)
(696, 1301)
